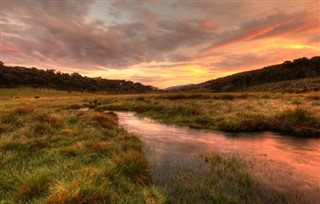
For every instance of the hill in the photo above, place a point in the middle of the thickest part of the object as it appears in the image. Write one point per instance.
(299, 75)
(171, 88)
(13, 77)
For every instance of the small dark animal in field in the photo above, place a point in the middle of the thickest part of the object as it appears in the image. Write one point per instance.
(37, 97)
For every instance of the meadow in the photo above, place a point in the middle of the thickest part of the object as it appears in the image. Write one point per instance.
(52, 152)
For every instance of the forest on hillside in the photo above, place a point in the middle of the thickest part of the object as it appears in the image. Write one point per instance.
(297, 69)
(13, 77)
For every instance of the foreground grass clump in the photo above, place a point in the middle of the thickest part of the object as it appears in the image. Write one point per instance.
(294, 114)
(212, 178)
(70, 157)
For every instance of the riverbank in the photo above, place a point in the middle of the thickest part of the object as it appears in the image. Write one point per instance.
(292, 114)
(68, 156)
(282, 164)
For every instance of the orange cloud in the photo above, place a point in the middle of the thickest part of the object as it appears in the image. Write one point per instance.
(207, 24)
(247, 37)
(313, 29)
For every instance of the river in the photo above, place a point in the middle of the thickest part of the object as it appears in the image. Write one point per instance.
(284, 162)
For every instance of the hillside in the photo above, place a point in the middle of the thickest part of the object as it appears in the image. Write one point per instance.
(13, 77)
(293, 76)
(171, 88)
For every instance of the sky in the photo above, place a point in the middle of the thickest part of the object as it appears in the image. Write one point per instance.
(159, 43)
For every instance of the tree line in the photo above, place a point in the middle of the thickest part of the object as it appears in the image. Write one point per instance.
(13, 77)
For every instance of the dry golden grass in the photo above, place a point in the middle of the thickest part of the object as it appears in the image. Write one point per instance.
(105, 120)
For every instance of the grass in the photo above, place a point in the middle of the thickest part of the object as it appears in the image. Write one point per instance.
(291, 114)
(33, 92)
(70, 157)
(213, 178)
(51, 153)
(290, 86)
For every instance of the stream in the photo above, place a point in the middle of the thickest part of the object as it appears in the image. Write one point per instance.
(284, 162)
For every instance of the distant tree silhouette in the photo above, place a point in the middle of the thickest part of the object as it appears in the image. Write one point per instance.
(37, 78)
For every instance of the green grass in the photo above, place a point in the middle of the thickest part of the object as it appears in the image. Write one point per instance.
(70, 157)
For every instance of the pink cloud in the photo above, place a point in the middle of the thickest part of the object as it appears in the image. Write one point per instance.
(9, 49)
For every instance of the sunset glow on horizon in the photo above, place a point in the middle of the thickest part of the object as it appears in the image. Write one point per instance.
(159, 43)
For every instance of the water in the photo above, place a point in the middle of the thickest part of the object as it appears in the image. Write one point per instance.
(285, 163)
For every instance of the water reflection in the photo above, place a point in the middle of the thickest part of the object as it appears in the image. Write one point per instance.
(283, 162)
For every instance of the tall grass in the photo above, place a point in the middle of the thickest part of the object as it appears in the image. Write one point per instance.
(212, 178)
(70, 157)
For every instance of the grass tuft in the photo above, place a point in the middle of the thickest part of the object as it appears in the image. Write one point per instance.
(34, 185)
(133, 165)
(24, 110)
(105, 120)
(298, 121)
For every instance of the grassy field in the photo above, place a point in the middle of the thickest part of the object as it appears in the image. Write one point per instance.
(52, 153)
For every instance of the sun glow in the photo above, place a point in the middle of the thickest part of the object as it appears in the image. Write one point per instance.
(300, 46)
(195, 69)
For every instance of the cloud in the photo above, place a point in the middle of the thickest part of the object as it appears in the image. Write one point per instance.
(271, 26)
(255, 60)
(8, 49)
(171, 65)
(92, 41)
(144, 35)
(147, 79)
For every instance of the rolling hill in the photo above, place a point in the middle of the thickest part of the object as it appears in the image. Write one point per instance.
(299, 75)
